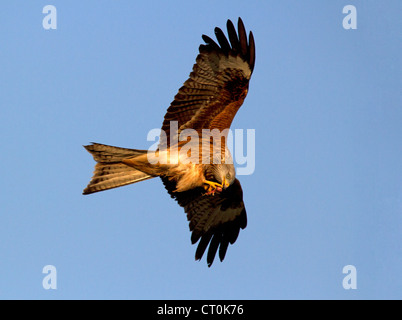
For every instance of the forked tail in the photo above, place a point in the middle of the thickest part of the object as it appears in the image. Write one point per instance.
(110, 172)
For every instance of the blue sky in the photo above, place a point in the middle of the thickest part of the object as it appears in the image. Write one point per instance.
(325, 104)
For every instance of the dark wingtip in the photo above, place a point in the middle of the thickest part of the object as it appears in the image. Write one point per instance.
(210, 42)
(234, 40)
(251, 50)
(222, 40)
(237, 43)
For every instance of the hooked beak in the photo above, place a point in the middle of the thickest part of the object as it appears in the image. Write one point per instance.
(225, 183)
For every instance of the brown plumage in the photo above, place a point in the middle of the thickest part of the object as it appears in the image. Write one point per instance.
(217, 85)
(206, 186)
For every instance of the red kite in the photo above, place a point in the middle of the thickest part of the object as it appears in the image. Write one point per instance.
(208, 190)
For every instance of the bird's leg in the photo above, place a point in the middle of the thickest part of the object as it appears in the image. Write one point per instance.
(211, 187)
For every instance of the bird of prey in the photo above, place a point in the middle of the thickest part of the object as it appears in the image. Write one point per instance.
(205, 184)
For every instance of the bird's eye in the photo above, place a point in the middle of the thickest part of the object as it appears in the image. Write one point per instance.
(228, 176)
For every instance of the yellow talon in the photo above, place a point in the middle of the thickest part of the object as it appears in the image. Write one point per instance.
(211, 187)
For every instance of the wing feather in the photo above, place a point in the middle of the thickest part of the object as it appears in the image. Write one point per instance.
(223, 42)
(217, 85)
(211, 44)
(242, 37)
(234, 40)
(214, 221)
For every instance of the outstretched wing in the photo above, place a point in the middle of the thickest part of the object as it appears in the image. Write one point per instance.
(218, 84)
(214, 220)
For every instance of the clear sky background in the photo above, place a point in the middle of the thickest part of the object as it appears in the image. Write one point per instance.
(326, 104)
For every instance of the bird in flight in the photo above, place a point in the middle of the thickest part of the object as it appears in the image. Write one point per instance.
(196, 170)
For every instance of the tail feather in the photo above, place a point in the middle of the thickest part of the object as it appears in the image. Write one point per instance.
(109, 154)
(110, 172)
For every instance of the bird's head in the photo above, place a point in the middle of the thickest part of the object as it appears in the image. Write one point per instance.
(224, 174)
